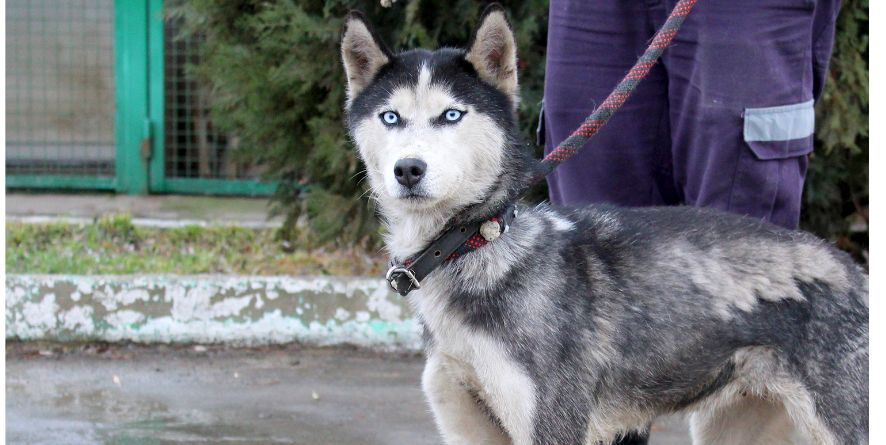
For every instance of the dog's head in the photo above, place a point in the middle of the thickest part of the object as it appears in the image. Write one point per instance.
(434, 128)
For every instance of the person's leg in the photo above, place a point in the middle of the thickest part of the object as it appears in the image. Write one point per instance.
(742, 79)
(591, 46)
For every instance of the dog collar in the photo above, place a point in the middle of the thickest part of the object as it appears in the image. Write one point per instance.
(453, 243)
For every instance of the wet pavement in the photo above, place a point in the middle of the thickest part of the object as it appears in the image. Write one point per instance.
(92, 394)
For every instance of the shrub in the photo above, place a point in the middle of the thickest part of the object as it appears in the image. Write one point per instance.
(276, 81)
(274, 71)
(836, 193)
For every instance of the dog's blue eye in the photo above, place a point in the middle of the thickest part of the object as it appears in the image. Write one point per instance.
(390, 117)
(452, 115)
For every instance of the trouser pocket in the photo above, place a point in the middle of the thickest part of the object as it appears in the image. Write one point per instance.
(772, 167)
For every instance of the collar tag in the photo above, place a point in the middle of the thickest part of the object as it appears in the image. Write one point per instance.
(490, 230)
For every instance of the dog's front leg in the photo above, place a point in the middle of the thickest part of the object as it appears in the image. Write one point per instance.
(458, 414)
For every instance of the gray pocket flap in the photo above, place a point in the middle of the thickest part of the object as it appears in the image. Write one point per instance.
(782, 123)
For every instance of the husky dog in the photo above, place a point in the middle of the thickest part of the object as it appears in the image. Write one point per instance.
(577, 326)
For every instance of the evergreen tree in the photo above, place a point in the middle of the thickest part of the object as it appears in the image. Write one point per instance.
(277, 83)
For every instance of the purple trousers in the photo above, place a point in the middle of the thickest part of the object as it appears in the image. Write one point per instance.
(724, 120)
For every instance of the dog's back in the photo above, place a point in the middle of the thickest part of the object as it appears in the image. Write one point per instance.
(776, 310)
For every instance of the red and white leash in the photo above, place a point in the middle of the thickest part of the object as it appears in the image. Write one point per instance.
(621, 93)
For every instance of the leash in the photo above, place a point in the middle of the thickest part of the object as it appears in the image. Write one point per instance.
(462, 238)
(620, 94)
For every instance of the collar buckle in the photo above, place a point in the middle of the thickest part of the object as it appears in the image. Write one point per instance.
(400, 270)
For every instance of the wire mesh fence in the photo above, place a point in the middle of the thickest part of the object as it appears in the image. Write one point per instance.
(194, 147)
(60, 87)
(88, 83)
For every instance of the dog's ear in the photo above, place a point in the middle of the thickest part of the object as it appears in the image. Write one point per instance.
(493, 51)
(362, 52)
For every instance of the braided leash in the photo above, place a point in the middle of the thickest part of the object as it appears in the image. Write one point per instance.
(620, 94)
(462, 236)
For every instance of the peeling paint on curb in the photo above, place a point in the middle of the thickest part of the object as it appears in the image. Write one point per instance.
(241, 310)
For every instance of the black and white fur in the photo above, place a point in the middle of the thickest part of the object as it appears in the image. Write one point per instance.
(579, 325)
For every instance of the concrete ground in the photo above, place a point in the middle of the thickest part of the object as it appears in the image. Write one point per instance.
(172, 208)
(180, 395)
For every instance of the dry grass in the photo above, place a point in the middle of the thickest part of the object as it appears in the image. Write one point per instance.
(113, 245)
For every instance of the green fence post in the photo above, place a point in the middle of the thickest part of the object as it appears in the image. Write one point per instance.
(131, 77)
(155, 95)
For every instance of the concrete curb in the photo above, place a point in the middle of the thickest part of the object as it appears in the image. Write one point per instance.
(239, 310)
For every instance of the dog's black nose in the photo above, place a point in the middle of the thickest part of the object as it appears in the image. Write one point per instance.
(409, 171)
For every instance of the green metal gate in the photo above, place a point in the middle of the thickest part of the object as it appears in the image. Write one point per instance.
(99, 97)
